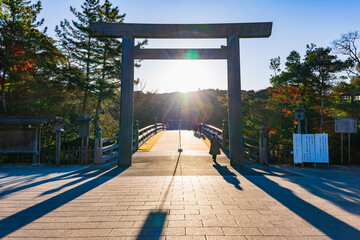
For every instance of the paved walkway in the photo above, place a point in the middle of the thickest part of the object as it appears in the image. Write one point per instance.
(183, 196)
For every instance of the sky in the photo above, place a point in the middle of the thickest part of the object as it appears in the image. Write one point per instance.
(295, 24)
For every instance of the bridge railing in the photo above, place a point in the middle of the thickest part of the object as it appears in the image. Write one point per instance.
(208, 130)
(147, 132)
(107, 149)
(255, 149)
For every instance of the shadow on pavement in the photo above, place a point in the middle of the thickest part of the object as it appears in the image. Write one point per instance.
(85, 172)
(155, 221)
(323, 221)
(229, 176)
(26, 216)
(342, 192)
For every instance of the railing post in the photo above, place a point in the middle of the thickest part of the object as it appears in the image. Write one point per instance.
(98, 146)
(263, 149)
(136, 135)
(225, 133)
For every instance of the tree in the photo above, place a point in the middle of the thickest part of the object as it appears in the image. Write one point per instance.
(93, 64)
(297, 74)
(109, 72)
(323, 66)
(274, 65)
(76, 42)
(347, 45)
(279, 116)
(25, 51)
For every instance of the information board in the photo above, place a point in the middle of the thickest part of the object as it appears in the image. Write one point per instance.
(322, 148)
(297, 148)
(345, 125)
(308, 148)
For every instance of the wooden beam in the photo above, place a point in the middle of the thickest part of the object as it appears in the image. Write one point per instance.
(242, 30)
(126, 103)
(236, 136)
(220, 53)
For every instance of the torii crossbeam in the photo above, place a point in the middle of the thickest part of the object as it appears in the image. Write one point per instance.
(232, 32)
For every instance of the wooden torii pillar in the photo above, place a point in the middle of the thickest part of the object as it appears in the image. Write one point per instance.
(232, 32)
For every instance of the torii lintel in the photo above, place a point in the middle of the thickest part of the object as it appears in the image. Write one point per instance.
(243, 30)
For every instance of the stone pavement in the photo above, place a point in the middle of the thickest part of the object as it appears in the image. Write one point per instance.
(183, 196)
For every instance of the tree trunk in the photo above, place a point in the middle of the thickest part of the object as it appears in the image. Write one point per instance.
(84, 102)
(3, 103)
(97, 112)
(87, 78)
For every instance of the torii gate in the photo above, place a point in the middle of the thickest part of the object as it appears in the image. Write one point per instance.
(232, 32)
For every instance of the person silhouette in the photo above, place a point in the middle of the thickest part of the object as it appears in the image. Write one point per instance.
(214, 147)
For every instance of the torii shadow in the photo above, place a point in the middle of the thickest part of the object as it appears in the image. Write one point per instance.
(18, 220)
(335, 228)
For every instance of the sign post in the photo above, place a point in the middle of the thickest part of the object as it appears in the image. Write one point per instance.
(310, 148)
(345, 125)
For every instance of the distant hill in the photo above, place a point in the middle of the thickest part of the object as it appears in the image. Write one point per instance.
(203, 105)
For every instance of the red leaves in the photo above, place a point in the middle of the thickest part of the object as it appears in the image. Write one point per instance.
(17, 54)
(285, 95)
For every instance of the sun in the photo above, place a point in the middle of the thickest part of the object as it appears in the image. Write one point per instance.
(182, 75)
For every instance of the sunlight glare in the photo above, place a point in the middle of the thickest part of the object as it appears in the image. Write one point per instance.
(183, 75)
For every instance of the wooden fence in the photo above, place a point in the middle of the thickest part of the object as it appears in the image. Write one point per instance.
(281, 154)
(68, 155)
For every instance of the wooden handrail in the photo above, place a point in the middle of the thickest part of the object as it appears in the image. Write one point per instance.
(252, 139)
(110, 147)
(110, 139)
(109, 152)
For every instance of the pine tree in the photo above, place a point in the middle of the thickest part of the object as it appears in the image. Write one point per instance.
(109, 72)
(323, 66)
(80, 49)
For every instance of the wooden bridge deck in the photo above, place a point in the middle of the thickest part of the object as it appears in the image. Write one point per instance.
(168, 144)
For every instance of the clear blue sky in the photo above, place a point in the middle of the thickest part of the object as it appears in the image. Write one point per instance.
(295, 24)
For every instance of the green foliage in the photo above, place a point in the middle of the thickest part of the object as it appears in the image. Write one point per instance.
(275, 65)
(26, 53)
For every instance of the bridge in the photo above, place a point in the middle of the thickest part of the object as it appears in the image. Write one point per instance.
(158, 146)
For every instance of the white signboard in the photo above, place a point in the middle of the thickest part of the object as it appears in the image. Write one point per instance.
(345, 125)
(297, 148)
(321, 148)
(308, 148)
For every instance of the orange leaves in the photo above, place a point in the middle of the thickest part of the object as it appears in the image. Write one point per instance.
(285, 97)
(287, 112)
(24, 65)
(271, 132)
(19, 61)
(285, 94)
